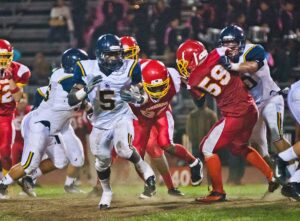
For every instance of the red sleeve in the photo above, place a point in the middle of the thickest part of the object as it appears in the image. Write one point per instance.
(24, 78)
(202, 70)
(21, 73)
(196, 93)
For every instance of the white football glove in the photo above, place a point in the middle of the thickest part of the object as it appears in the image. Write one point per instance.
(133, 95)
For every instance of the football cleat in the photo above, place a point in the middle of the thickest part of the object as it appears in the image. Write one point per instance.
(105, 200)
(73, 189)
(28, 186)
(213, 197)
(3, 191)
(291, 190)
(149, 188)
(197, 173)
(175, 192)
(273, 185)
(280, 169)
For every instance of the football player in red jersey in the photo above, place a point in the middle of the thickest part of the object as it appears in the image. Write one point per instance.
(204, 72)
(160, 85)
(131, 51)
(13, 77)
(17, 148)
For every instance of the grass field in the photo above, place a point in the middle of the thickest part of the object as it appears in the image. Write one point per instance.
(244, 203)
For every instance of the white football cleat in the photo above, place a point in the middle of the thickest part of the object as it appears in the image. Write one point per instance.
(105, 200)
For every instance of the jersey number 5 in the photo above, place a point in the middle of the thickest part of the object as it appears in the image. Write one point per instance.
(106, 100)
(219, 74)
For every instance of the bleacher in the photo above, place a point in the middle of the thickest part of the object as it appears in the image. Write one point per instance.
(25, 24)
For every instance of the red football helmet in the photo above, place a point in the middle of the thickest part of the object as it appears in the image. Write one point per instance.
(156, 79)
(189, 55)
(131, 47)
(6, 54)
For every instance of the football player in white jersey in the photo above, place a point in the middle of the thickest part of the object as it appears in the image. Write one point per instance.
(292, 187)
(41, 125)
(250, 61)
(112, 117)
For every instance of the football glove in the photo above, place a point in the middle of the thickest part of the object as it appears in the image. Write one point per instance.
(133, 95)
(225, 62)
(91, 85)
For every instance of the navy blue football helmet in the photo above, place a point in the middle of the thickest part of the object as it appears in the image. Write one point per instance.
(233, 34)
(70, 57)
(109, 52)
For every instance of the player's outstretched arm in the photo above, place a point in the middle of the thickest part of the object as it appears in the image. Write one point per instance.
(134, 95)
(79, 92)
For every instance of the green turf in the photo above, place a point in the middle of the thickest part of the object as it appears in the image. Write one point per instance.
(244, 204)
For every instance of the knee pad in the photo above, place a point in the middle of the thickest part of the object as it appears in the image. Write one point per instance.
(61, 163)
(77, 162)
(102, 164)
(123, 150)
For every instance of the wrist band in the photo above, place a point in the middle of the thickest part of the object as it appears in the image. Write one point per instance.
(15, 90)
(235, 66)
(81, 94)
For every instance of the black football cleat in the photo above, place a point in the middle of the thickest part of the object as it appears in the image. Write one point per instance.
(197, 173)
(3, 191)
(280, 170)
(149, 188)
(28, 186)
(104, 206)
(175, 192)
(291, 190)
(273, 185)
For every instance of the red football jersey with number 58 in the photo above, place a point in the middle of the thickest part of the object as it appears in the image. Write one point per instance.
(231, 94)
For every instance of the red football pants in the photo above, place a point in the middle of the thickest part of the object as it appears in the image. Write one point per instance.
(16, 152)
(161, 136)
(231, 132)
(5, 141)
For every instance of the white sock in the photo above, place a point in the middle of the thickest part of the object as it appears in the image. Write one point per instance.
(106, 185)
(194, 163)
(7, 180)
(295, 177)
(288, 154)
(292, 167)
(144, 169)
(69, 181)
(36, 173)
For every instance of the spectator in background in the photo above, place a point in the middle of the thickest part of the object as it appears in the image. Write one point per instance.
(162, 17)
(40, 70)
(172, 34)
(61, 23)
(198, 124)
(289, 21)
(79, 12)
(141, 28)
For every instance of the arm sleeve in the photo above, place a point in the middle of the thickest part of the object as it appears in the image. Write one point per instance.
(38, 98)
(79, 72)
(257, 54)
(136, 74)
(67, 83)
